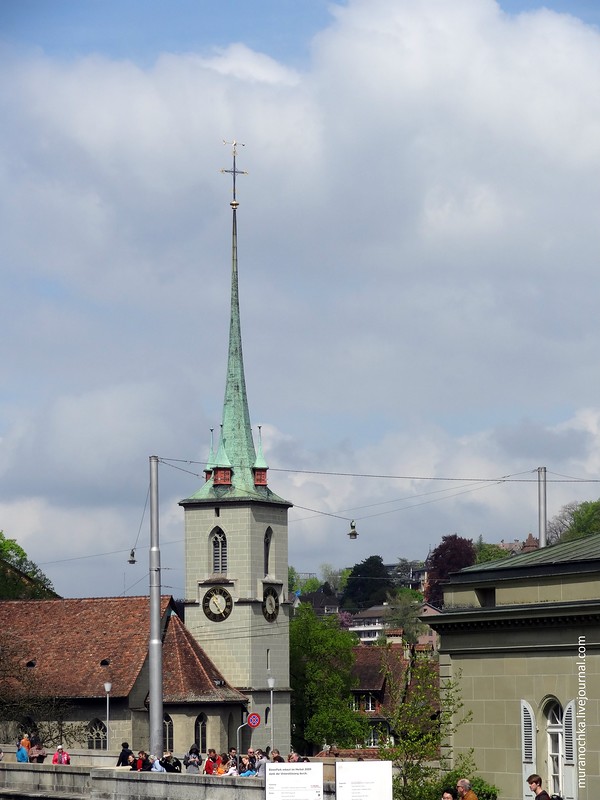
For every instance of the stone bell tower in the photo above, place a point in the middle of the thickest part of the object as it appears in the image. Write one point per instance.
(236, 553)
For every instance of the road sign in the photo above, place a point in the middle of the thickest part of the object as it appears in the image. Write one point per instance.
(254, 720)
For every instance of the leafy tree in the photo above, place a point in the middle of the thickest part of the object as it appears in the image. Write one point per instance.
(321, 660)
(336, 578)
(561, 523)
(368, 584)
(293, 579)
(405, 606)
(423, 713)
(488, 552)
(404, 570)
(451, 555)
(585, 521)
(310, 585)
(21, 578)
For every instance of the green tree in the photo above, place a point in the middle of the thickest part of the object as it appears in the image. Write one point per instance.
(405, 607)
(321, 660)
(368, 584)
(488, 552)
(21, 578)
(561, 523)
(293, 579)
(585, 521)
(310, 585)
(336, 578)
(423, 713)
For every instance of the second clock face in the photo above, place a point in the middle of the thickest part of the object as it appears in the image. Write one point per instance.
(270, 604)
(217, 604)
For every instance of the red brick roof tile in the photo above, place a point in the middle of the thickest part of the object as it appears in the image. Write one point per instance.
(62, 645)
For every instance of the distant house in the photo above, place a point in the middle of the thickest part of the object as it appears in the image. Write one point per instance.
(370, 624)
(372, 690)
(373, 624)
(323, 604)
(68, 649)
(522, 637)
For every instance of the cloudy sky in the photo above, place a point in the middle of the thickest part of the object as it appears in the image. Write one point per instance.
(418, 243)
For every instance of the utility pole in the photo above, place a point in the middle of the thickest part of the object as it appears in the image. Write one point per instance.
(155, 645)
(542, 508)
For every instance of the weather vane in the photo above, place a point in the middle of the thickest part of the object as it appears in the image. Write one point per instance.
(234, 171)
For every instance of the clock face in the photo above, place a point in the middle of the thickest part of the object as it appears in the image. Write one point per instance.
(217, 604)
(270, 604)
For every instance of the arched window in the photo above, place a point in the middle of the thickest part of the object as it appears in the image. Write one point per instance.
(268, 538)
(97, 735)
(219, 551)
(556, 745)
(200, 732)
(167, 732)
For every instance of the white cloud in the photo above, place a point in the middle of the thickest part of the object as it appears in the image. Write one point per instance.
(418, 242)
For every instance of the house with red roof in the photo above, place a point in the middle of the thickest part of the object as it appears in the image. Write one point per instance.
(70, 649)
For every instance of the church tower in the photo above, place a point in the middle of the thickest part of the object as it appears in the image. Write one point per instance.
(236, 555)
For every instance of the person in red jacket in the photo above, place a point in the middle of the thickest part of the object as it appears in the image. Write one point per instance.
(61, 756)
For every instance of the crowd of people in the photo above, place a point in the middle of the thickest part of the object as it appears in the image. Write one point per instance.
(250, 764)
(32, 751)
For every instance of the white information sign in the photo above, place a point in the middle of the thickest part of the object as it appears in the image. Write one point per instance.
(363, 780)
(299, 780)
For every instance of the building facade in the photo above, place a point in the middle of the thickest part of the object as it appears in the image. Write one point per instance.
(522, 638)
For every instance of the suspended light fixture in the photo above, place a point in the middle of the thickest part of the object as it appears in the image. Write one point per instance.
(131, 559)
(353, 532)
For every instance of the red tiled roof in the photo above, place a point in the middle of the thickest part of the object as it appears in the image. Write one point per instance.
(188, 674)
(61, 645)
(369, 665)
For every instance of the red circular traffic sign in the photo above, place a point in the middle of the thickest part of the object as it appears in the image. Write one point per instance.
(254, 720)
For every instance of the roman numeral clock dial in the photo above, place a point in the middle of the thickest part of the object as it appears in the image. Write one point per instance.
(217, 604)
(270, 604)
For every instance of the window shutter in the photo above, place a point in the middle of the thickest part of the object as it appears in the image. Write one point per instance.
(527, 733)
(569, 769)
(528, 746)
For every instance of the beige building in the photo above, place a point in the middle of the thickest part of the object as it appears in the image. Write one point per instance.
(522, 637)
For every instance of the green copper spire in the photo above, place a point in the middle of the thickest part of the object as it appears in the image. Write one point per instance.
(236, 453)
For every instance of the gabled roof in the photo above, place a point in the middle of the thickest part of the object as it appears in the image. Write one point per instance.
(369, 666)
(373, 612)
(188, 674)
(71, 647)
(579, 555)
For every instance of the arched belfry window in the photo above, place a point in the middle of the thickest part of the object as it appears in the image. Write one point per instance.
(268, 539)
(219, 551)
(200, 732)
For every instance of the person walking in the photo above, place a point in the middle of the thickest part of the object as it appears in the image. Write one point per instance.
(535, 784)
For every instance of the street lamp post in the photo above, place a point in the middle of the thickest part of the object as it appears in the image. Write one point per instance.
(271, 683)
(107, 688)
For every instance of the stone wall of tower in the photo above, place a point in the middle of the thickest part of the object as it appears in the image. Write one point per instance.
(245, 647)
